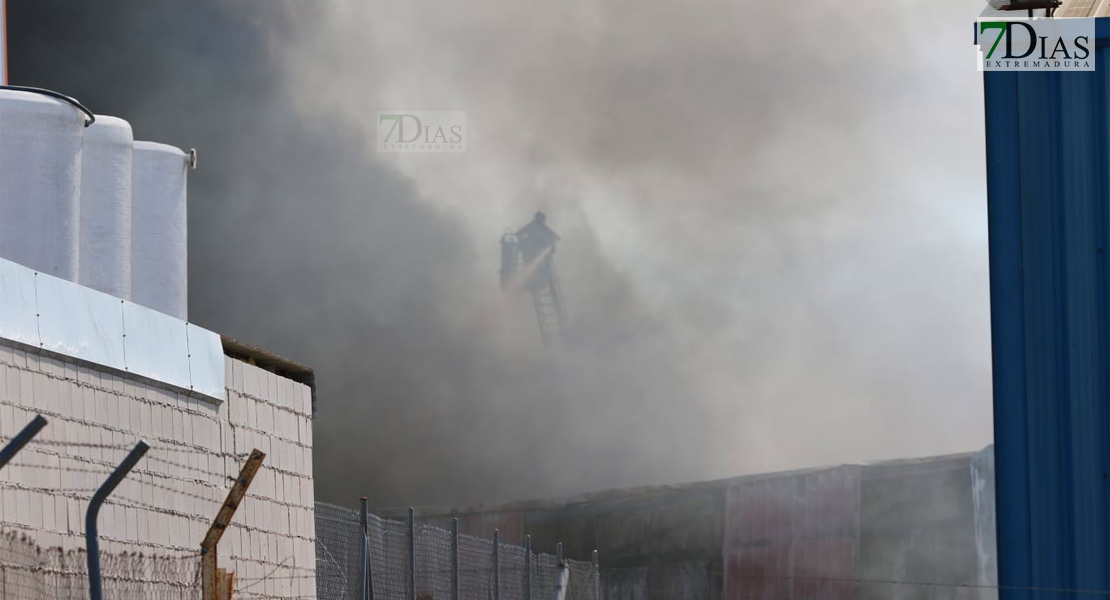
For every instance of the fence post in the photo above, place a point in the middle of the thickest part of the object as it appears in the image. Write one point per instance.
(455, 557)
(597, 577)
(364, 562)
(562, 574)
(209, 546)
(496, 566)
(412, 553)
(562, 577)
(92, 541)
(20, 440)
(527, 567)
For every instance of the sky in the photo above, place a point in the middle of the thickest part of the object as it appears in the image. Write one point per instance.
(773, 223)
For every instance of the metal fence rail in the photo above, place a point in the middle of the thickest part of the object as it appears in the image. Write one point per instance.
(447, 565)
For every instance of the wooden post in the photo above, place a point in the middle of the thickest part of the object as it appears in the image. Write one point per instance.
(225, 584)
(209, 575)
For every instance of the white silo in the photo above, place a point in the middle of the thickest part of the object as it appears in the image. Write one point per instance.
(40, 181)
(159, 265)
(105, 232)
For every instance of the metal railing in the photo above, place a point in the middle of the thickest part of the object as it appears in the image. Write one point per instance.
(396, 560)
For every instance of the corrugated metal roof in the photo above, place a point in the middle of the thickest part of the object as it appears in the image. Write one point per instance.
(1048, 152)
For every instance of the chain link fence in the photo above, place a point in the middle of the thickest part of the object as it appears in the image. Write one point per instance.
(337, 560)
(29, 572)
(483, 571)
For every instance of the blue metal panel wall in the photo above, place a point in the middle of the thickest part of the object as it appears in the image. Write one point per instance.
(1048, 175)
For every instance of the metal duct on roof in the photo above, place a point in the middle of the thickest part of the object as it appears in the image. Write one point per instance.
(159, 268)
(105, 231)
(40, 182)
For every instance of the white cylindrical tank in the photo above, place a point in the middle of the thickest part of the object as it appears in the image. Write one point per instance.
(159, 260)
(105, 232)
(40, 182)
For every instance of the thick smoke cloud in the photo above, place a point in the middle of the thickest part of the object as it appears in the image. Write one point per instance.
(773, 222)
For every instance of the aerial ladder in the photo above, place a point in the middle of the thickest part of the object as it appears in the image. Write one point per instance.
(528, 265)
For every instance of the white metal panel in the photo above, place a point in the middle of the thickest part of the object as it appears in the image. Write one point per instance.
(207, 364)
(157, 345)
(97, 328)
(80, 322)
(18, 320)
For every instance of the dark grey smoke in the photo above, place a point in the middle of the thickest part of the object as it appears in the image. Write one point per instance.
(773, 229)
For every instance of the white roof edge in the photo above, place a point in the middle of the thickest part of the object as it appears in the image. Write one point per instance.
(63, 318)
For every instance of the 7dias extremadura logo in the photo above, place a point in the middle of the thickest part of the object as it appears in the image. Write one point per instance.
(1022, 44)
(422, 131)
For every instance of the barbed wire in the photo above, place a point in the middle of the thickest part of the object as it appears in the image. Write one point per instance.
(150, 484)
(30, 572)
(60, 443)
(171, 463)
(152, 456)
(266, 577)
(281, 596)
(165, 445)
(275, 578)
(106, 468)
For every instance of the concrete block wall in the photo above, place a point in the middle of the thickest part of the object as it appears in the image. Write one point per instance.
(197, 448)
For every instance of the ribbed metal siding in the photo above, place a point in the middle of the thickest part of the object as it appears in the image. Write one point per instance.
(793, 537)
(1048, 175)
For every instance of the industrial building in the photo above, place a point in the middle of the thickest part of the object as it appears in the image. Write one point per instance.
(95, 338)
(921, 528)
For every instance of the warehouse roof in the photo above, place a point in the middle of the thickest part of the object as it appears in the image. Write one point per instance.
(1084, 8)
